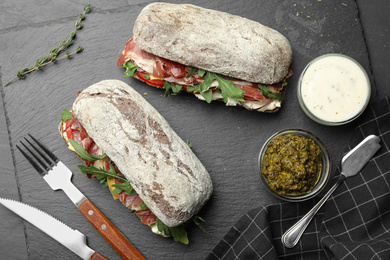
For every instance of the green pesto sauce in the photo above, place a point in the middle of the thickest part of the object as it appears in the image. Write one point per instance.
(291, 164)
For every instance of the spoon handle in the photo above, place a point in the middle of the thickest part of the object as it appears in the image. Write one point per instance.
(291, 237)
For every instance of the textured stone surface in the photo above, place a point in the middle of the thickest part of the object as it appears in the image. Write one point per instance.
(226, 139)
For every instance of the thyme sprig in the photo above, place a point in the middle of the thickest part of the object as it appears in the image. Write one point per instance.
(54, 52)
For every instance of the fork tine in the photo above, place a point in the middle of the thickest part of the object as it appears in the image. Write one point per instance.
(40, 153)
(39, 170)
(52, 155)
(45, 166)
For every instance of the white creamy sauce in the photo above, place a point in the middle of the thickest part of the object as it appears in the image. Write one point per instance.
(334, 88)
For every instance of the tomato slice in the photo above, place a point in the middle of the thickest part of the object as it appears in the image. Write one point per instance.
(69, 133)
(152, 82)
(67, 123)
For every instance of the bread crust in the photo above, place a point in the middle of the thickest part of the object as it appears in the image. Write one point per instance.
(214, 41)
(159, 165)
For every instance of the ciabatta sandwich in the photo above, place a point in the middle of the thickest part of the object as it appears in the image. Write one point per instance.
(127, 144)
(212, 54)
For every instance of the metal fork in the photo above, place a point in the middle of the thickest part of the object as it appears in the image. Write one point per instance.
(54, 172)
(58, 176)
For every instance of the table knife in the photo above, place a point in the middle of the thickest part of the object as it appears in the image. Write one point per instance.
(68, 237)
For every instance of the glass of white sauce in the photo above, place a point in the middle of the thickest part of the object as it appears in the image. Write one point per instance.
(333, 89)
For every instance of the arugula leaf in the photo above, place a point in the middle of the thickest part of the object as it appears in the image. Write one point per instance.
(176, 88)
(206, 83)
(119, 187)
(207, 95)
(84, 154)
(100, 173)
(163, 228)
(266, 92)
(143, 206)
(179, 234)
(146, 76)
(191, 72)
(201, 72)
(196, 221)
(194, 88)
(66, 115)
(131, 69)
(203, 88)
(228, 89)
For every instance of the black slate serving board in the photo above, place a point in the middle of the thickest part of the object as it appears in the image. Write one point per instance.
(226, 139)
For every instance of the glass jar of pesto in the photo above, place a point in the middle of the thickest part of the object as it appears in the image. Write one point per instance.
(294, 165)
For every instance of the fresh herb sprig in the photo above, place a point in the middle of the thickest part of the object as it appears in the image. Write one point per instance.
(54, 52)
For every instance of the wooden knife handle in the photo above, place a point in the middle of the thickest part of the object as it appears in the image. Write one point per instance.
(110, 233)
(97, 256)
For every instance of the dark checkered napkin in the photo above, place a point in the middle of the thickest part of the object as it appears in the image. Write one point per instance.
(353, 224)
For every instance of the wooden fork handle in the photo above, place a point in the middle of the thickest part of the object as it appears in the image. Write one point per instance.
(110, 233)
(97, 256)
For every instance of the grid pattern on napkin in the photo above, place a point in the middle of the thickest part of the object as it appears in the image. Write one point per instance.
(353, 224)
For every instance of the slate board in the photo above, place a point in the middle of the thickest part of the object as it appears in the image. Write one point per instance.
(226, 139)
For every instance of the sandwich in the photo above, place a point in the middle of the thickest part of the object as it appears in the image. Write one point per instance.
(211, 54)
(127, 145)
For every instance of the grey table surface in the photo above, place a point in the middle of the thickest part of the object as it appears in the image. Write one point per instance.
(226, 139)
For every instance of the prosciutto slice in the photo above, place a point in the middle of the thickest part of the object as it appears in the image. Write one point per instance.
(158, 67)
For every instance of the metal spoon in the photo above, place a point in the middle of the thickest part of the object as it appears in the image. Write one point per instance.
(351, 164)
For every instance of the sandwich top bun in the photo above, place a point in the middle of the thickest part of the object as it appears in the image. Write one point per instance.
(159, 165)
(214, 41)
